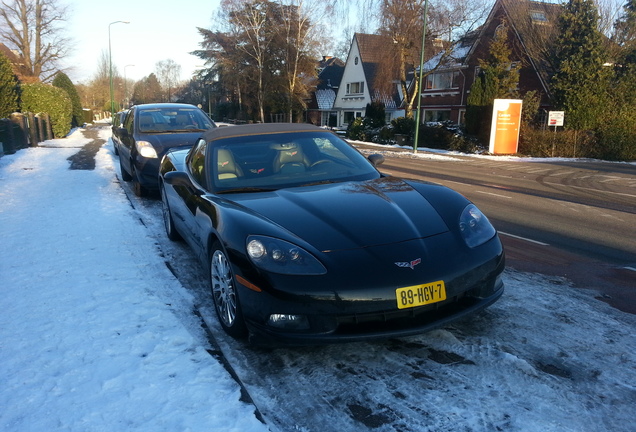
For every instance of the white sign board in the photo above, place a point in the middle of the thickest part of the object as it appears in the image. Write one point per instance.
(555, 118)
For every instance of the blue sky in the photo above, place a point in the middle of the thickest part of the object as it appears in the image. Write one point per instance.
(158, 30)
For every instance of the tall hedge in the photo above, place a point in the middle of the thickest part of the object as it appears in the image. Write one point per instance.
(9, 88)
(44, 98)
(64, 82)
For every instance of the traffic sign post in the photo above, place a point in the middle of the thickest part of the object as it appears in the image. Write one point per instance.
(555, 118)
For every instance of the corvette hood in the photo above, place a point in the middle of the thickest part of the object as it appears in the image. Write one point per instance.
(349, 215)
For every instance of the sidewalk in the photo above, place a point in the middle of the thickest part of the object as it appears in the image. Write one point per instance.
(90, 333)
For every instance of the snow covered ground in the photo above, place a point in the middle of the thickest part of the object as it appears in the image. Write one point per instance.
(96, 334)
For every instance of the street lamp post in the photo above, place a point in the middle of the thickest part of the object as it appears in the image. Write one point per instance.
(126, 84)
(110, 66)
(419, 87)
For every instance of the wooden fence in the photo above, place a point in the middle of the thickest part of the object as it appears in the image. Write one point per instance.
(23, 130)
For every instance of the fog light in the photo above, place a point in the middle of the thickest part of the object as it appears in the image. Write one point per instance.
(289, 322)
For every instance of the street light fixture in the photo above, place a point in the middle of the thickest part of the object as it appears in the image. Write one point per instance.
(126, 84)
(110, 63)
(419, 87)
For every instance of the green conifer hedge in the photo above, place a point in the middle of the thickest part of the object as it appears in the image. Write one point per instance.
(44, 98)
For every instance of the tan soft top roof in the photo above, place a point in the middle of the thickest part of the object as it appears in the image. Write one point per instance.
(258, 129)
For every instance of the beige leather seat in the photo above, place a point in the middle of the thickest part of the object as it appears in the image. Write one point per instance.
(226, 165)
(290, 159)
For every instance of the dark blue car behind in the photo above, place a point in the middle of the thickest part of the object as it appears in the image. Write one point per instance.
(148, 132)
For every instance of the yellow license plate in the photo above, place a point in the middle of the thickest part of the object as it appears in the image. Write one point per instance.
(419, 295)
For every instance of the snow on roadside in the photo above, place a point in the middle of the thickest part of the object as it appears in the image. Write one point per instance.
(89, 336)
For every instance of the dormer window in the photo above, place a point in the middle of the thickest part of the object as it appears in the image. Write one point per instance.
(538, 17)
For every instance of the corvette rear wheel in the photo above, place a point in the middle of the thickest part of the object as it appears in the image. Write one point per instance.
(225, 294)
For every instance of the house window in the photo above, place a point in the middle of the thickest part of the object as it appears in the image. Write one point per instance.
(538, 17)
(462, 117)
(436, 115)
(355, 88)
(350, 116)
(442, 80)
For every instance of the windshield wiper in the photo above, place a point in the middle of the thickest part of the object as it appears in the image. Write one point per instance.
(246, 190)
(187, 130)
(321, 182)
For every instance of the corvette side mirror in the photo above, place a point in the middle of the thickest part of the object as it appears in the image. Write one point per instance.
(376, 159)
(177, 178)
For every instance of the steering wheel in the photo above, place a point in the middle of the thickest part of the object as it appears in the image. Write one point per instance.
(320, 162)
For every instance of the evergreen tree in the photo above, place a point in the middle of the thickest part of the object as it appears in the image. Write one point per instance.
(625, 33)
(498, 79)
(62, 81)
(580, 83)
(9, 88)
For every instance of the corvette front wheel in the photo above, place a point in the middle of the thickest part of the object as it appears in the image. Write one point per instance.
(225, 294)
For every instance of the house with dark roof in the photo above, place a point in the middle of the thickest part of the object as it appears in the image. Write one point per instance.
(366, 79)
(320, 109)
(531, 28)
(17, 61)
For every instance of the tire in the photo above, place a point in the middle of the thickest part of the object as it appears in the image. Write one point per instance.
(125, 175)
(225, 294)
(138, 189)
(168, 221)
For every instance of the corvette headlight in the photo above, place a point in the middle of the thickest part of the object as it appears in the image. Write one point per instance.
(145, 149)
(475, 227)
(280, 256)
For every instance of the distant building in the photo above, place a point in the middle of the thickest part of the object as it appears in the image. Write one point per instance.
(364, 82)
(320, 108)
(19, 65)
(531, 28)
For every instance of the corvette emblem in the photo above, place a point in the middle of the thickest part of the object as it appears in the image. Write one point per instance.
(410, 265)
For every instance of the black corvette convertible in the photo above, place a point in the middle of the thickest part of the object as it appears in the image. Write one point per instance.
(305, 241)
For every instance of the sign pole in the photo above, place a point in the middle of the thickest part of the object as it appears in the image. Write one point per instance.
(555, 118)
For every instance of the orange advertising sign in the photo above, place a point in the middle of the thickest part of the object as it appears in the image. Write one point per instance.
(506, 120)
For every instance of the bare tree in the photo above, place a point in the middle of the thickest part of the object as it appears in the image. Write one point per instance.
(249, 20)
(301, 40)
(34, 28)
(168, 74)
(402, 21)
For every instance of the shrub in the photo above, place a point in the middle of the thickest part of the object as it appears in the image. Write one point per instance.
(617, 138)
(88, 115)
(355, 131)
(403, 126)
(563, 143)
(375, 115)
(44, 98)
(64, 82)
(9, 88)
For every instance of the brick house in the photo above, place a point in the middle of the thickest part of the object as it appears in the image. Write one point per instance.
(531, 25)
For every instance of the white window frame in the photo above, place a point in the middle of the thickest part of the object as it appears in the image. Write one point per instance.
(442, 80)
(355, 87)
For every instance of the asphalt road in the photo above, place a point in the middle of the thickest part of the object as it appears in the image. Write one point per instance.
(574, 219)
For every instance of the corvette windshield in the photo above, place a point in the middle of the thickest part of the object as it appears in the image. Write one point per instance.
(274, 161)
